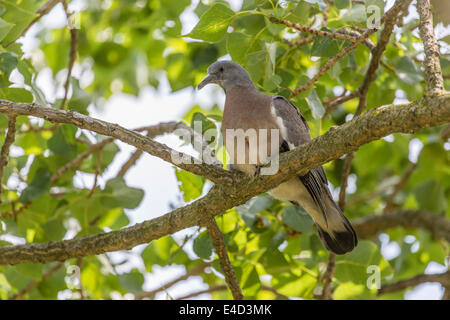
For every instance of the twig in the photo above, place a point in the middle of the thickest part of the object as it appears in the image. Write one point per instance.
(4, 153)
(320, 33)
(389, 19)
(199, 144)
(130, 162)
(328, 277)
(79, 159)
(325, 15)
(81, 289)
(224, 287)
(198, 269)
(225, 264)
(443, 278)
(72, 54)
(368, 43)
(344, 179)
(97, 171)
(432, 65)
(399, 186)
(325, 295)
(14, 213)
(46, 8)
(300, 42)
(332, 62)
(221, 287)
(339, 100)
(33, 284)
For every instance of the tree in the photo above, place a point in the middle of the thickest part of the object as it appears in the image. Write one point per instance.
(336, 60)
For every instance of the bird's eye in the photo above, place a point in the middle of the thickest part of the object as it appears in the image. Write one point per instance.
(221, 69)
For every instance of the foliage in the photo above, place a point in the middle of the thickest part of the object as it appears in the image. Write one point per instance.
(270, 243)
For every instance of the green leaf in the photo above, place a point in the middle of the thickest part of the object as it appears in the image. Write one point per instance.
(132, 281)
(5, 27)
(250, 281)
(325, 47)
(16, 94)
(353, 267)
(238, 46)
(118, 194)
(349, 291)
(259, 204)
(191, 185)
(213, 24)
(431, 196)
(315, 105)
(300, 14)
(20, 15)
(297, 221)
(50, 286)
(62, 141)
(159, 252)
(342, 4)
(407, 71)
(54, 230)
(203, 245)
(7, 64)
(37, 187)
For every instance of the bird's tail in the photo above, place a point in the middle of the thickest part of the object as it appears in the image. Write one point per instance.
(337, 234)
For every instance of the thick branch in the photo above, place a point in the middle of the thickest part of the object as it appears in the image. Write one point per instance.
(212, 172)
(372, 125)
(433, 72)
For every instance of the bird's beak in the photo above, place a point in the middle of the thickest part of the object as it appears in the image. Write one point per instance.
(208, 79)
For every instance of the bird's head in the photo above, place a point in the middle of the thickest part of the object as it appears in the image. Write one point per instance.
(226, 74)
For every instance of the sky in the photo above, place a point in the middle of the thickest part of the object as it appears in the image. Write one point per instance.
(155, 176)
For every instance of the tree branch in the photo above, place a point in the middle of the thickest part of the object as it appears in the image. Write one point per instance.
(198, 269)
(432, 65)
(79, 159)
(33, 284)
(372, 225)
(212, 172)
(390, 204)
(225, 264)
(372, 125)
(320, 33)
(4, 153)
(442, 278)
(390, 19)
(72, 54)
(332, 62)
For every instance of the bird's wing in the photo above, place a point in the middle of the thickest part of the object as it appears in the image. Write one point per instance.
(294, 131)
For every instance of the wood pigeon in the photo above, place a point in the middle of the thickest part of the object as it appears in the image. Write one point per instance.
(247, 108)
